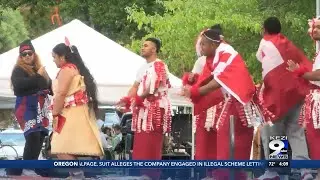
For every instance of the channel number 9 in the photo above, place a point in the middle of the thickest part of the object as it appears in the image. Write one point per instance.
(276, 146)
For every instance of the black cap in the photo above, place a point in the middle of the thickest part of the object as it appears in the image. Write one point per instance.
(26, 45)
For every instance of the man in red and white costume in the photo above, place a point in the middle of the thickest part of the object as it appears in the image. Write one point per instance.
(230, 75)
(310, 115)
(150, 105)
(281, 94)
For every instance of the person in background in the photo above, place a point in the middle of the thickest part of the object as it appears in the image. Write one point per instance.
(103, 136)
(117, 136)
(106, 142)
(309, 117)
(100, 120)
(107, 131)
(281, 102)
(128, 146)
(75, 108)
(31, 86)
(119, 114)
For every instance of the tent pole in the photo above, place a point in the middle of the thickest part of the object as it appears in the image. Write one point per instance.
(317, 15)
(193, 133)
(193, 121)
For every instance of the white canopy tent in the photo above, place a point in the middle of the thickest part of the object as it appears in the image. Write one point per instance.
(317, 15)
(113, 66)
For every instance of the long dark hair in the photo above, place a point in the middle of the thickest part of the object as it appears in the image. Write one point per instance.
(72, 55)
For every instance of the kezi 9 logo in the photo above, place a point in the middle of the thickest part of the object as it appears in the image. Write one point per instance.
(278, 147)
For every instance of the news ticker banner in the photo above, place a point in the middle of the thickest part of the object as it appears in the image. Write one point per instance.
(167, 164)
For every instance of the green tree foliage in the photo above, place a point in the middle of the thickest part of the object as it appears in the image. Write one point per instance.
(177, 23)
(12, 29)
(37, 21)
(7, 118)
(294, 16)
(108, 17)
(242, 21)
(12, 32)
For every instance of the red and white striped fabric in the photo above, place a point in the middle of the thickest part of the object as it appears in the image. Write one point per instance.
(77, 99)
(149, 117)
(281, 90)
(311, 108)
(211, 117)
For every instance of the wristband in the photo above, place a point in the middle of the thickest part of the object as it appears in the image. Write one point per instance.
(138, 101)
(195, 77)
(126, 100)
(195, 94)
(185, 79)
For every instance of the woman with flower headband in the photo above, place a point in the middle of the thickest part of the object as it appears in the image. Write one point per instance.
(75, 108)
(31, 85)
(310, 115)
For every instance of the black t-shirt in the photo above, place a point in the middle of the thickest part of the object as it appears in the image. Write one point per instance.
(25, 85)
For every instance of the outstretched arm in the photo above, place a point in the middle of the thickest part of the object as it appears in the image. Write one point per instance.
(312, 76)
(303, 72)
(195, 91)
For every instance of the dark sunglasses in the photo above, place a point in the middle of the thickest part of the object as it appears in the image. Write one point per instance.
(24, 54)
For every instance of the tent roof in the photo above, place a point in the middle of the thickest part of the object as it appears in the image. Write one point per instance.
(113, 66)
